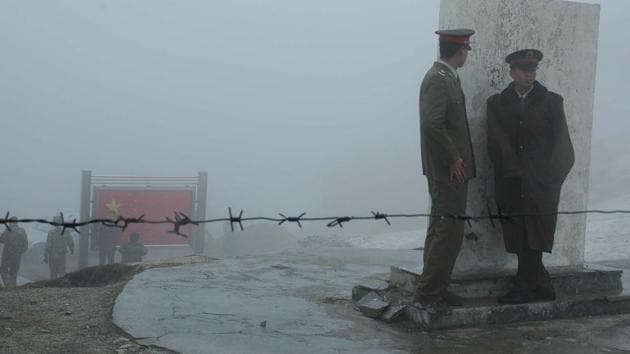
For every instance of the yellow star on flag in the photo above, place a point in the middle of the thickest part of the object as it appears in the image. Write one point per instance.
(113, 206)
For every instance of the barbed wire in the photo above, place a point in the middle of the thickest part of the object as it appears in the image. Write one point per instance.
(181, 220)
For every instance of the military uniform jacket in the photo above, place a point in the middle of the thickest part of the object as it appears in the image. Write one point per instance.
(58, 244)
(531, 151)
(15, 243)
(444, 132)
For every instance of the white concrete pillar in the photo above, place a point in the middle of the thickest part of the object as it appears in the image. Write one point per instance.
(566, 32)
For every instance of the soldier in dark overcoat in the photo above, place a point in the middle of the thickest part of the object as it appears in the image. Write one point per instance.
(448, 163)
(530, 148)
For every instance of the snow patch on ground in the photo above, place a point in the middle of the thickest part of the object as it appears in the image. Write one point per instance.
(608, 235)
(390, 241)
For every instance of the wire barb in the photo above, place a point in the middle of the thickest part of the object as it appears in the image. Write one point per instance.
(63, 223)
(6, 221)
(339, 221)
(295, 219)
(465, 218)
(491, 216)
(378, 216)
(236, 219)
(181, 219)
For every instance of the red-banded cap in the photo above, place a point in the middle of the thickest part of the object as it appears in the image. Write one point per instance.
(457, 36)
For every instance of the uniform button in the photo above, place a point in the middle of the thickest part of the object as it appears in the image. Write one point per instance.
(521, 122)
(522, 195)
(521, 147)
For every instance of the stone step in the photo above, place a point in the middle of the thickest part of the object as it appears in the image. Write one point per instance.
(486, 311)
(566, 281)
(581, 291)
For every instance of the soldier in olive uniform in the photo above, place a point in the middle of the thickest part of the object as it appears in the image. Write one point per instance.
(448, 163)
(15, 243)
(58, 244)
(132, 251)
(531, 151)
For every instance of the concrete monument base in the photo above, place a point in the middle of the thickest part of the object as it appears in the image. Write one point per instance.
(581, 291)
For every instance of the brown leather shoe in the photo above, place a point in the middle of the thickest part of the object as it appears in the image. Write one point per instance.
(453, 299)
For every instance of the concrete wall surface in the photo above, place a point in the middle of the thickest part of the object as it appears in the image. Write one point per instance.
(566, 32)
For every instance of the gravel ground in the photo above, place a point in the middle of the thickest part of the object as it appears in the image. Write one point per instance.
(69, 315)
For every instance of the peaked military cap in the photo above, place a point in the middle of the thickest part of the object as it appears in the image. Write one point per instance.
(525, 58)
(457, 36)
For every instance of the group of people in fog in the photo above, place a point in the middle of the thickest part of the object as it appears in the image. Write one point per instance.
(60, 244)
(106, 239)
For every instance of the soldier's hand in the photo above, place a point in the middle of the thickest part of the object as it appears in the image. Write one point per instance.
(456, 171)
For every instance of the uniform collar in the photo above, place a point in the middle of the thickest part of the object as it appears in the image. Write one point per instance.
(509, 93)
(523, 96)
(452, 69)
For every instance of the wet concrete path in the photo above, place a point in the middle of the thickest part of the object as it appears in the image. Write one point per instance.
(298, 301)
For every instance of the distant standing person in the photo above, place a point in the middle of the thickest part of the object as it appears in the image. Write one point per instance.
(106, 239)
(134, 250)
(531, 151)
(15, 244)
(58, 245)
(448, 163)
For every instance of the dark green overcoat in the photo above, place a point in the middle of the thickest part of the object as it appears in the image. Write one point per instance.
(531, 151)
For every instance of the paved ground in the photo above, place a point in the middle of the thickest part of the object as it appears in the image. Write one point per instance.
(298, 301)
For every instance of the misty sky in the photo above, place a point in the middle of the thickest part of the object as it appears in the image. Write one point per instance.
(290, 106)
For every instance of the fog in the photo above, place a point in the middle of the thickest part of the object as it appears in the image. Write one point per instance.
(290, 106)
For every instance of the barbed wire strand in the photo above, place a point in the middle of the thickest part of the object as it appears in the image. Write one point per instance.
(181, 220)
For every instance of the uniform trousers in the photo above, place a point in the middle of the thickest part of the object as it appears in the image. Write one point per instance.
(444, 238)
(9, 270)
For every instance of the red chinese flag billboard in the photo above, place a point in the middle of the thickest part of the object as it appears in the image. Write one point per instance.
(154, 204)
